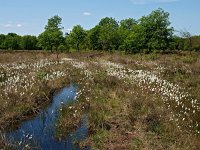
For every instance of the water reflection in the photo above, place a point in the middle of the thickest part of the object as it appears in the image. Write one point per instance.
(40, 130)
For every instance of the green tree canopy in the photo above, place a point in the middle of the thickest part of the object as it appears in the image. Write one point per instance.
(108, 21)
(93, 38)
(76, 37)
(156, 30)
(2, 41)
(54, 24)
(12, 41)
(124, 31)
(149, 33)
(108, 36)
(135, 41)
(127, 24)
(52, 37)
(29, 42)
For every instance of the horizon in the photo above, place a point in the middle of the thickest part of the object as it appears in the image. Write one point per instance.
(29, 18)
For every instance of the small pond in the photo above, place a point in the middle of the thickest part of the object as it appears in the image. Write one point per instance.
(39, 132)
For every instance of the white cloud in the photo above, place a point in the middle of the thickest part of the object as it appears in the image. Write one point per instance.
(9, 25)
(142, 2)
(19, 25)
(87, 14)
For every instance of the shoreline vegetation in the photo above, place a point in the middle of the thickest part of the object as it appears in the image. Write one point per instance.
(131, 101)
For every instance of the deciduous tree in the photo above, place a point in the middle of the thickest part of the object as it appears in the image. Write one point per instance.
(29, 42)
(157, 31)
(52, 37)
(12, 41)
(76, 37)
(108, 36)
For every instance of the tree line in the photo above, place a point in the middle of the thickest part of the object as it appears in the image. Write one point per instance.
(149, 33)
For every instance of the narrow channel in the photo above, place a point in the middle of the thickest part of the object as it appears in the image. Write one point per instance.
(40, 131)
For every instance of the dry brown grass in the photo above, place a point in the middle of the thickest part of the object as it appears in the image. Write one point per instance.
(120, 114)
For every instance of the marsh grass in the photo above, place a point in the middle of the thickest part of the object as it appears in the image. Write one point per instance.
(26, 99)
(120, 113)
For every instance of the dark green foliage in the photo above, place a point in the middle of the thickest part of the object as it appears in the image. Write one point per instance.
(54, 24)
(77, 37)
(63, 48)
(156, 30)
(12, 41)
(29, 42)
(135, 41)
(108, 36)
(108, 21)
(52, 37)
(187, 44)
(127, 24)
(2, 41)
(148, 34)
(124, 31)
(196, 43)
(93, 38)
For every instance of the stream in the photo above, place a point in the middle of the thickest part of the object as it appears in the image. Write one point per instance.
(39, 132)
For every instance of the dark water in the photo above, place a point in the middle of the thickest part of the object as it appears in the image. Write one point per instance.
(40, 130)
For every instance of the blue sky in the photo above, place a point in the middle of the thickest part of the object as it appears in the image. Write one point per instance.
(30, 16)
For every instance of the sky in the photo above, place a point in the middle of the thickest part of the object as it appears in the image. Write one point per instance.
(29, 17)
